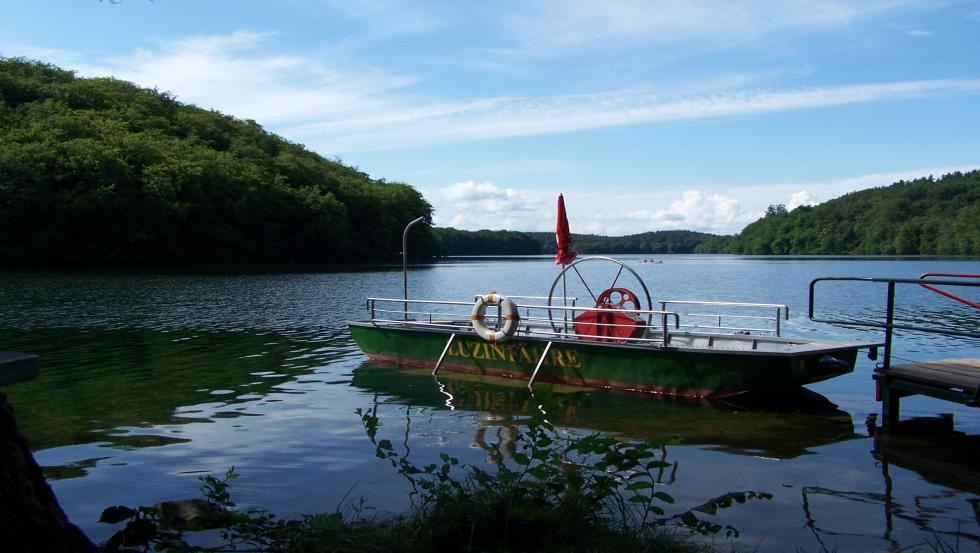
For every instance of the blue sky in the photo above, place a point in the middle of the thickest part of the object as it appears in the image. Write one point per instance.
(692, 114)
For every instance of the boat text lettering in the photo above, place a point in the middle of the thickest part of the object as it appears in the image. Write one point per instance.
(514, 353)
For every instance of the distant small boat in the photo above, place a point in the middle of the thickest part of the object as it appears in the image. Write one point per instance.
(650, 261)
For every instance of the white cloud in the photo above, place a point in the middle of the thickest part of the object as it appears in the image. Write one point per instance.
(619, 211)
(918, 33)
(235, 74)
(474, 205)
(803, 197)
(692, 210)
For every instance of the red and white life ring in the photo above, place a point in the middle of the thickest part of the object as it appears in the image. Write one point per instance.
(508, 312)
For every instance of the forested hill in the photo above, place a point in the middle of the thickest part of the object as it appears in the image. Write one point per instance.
(922, 217)
(101, 172)
(656, 242)
(504, 242)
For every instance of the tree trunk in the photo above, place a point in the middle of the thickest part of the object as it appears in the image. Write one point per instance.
(30, 518)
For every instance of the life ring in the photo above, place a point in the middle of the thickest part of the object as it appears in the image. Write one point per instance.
(508, 311)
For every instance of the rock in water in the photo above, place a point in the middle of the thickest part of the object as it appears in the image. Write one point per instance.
(195, 514)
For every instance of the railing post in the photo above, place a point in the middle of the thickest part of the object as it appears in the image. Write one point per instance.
(889, 325)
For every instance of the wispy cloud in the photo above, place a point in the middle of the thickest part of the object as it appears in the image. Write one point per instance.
(500, 117)
(235, 74)
(545, 26)
(338, 107)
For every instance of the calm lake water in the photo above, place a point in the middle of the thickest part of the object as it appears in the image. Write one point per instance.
(151, 380)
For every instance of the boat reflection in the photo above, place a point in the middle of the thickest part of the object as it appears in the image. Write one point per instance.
(780, 427)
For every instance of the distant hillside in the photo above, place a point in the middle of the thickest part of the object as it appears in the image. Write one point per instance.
(450, 241)
(502, 242)
(99, 171)
(657, 242)
(922, 217)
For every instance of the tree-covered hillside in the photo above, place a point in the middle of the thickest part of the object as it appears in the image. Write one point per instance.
(922, 217)
(452, 241)
(99, 171)
(504, 242)
(657, 242)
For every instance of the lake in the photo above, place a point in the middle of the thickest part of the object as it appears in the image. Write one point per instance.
(151, 380)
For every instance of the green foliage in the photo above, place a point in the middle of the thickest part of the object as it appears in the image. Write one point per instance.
(503, 242)
(659, 242)
(99, 171)
(555, 494)
(451, 241)
(921, 217)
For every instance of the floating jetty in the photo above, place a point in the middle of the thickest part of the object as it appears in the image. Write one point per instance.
(17, 367)
(955, 380)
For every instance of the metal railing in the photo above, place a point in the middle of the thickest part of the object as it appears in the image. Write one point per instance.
(889, 325)
(556, 321)
(782, 312)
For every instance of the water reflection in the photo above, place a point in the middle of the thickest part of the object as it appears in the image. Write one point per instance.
(949, 514)
(854, 497)
(117, 387)
(781, 426)
(150, 380)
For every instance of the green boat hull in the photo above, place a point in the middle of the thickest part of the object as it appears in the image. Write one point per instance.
(677, 371)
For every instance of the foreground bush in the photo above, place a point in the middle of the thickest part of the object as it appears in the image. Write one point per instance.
(556, 493)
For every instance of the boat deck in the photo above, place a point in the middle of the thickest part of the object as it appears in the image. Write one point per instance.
(956, 380)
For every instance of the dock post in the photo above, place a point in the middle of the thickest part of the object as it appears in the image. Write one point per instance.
(889, 398)
(890, 404)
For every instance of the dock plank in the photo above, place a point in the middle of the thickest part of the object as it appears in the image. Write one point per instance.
(949, 373)
(17, 367)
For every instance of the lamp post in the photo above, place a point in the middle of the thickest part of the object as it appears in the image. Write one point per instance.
(405, 264)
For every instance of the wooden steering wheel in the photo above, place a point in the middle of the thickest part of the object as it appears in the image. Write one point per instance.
(617, 298)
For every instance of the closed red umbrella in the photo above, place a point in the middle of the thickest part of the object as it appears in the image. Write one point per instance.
(562, 235)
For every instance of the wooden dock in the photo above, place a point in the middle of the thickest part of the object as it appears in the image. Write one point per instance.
(17, 367)
(956, 380)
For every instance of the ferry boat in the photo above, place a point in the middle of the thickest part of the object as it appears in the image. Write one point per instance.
(617, 341)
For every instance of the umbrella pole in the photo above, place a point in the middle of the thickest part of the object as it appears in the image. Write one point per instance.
(564, 301)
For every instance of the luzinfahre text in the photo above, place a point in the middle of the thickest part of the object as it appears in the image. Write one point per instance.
(513, 352)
